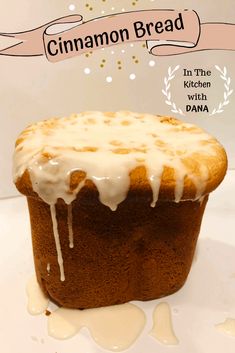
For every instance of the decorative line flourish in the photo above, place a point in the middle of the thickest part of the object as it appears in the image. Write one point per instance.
(167, 93)
(227, 92)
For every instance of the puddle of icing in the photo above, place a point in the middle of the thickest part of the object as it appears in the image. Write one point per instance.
(37, 301)
(162, 325)
(227, 327)
(64, 323)
(114, 328)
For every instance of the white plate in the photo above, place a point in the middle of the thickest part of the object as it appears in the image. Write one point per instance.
(207, 298)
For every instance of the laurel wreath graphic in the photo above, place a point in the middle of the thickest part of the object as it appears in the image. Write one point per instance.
(167, 93)
(169, 101)
(227, 91)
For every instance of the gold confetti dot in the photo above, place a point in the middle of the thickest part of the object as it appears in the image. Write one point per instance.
(119, 63)
(136, 61)
(89, 7)
(103, 61)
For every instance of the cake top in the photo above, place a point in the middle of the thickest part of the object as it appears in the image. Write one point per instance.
(106, 147)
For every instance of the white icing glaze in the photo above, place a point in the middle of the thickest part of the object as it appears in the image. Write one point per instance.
(37, 301)
(227, 327)
(57, 242)
(52, 153)
(162, 325)
(114, 328)
(70, 225)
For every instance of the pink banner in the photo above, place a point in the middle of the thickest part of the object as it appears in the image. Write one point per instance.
(167, 32)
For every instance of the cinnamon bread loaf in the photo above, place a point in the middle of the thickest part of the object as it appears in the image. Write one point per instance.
(115, 202)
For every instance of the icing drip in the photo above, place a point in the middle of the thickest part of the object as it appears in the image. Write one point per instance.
(155, 183)
(162, 325)
(106, 325)
(179, 186)
(201, 200)
(113, 188)
(227, 327)
(70, 225)
(37, 301)
(48, 269)
(57, 242)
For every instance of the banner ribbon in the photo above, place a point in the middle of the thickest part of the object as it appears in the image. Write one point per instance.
(166, 32)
